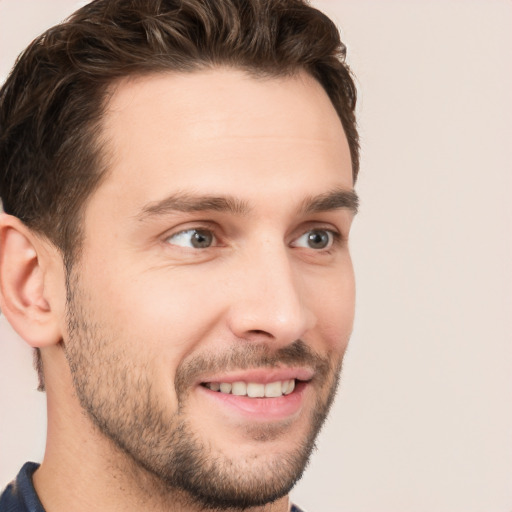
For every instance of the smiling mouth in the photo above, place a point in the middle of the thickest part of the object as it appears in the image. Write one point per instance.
(253, 389)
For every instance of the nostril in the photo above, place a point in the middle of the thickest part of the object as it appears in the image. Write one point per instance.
(261, 332)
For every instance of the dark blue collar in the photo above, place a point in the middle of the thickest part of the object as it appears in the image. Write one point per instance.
(20, 495)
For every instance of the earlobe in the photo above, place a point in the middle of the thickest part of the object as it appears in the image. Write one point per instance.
(22, 284)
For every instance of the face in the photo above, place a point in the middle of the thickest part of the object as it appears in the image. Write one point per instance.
(213, 300)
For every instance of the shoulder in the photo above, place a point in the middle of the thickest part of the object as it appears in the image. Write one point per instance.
(20, 495)
(295, 508)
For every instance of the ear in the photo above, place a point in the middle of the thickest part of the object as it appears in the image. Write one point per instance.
(23, 276)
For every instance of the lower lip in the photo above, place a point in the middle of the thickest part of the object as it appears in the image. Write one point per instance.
(260, 409)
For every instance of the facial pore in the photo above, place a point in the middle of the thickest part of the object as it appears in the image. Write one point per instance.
(119, 398)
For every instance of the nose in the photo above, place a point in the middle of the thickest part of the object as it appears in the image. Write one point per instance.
(268, 299)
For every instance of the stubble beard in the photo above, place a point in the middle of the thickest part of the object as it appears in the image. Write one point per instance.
(120, 400)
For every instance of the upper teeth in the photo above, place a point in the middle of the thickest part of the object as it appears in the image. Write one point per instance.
(254, 389)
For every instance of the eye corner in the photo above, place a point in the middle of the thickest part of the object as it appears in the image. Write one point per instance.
(195, 238)
(317, 239)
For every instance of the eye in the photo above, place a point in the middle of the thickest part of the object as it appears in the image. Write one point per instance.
(317, 239)
(193, 238)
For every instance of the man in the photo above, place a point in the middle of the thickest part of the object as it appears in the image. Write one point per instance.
(177, 179)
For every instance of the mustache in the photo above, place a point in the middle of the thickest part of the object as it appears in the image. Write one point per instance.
(245, 356)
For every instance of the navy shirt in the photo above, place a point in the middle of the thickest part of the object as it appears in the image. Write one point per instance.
(20, 495)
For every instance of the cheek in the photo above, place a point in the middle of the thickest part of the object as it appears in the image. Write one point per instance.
(161, 316)
(334, 309)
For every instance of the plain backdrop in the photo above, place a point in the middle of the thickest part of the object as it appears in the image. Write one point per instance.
(423, 420)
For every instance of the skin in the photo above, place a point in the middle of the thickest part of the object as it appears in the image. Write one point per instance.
(145, 305)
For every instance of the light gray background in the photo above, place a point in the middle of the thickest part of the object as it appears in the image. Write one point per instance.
(423, 422)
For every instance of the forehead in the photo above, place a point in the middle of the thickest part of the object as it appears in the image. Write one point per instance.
(224, 95)
(220, 131)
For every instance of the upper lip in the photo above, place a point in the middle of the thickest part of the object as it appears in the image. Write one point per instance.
(262, 375)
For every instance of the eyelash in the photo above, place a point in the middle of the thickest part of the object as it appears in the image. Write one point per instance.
(337, 237)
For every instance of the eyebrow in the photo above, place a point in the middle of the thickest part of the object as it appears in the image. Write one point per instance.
(336, 199)
(191, 203)
(183, 202)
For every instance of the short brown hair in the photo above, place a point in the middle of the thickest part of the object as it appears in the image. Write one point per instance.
(52, 103)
